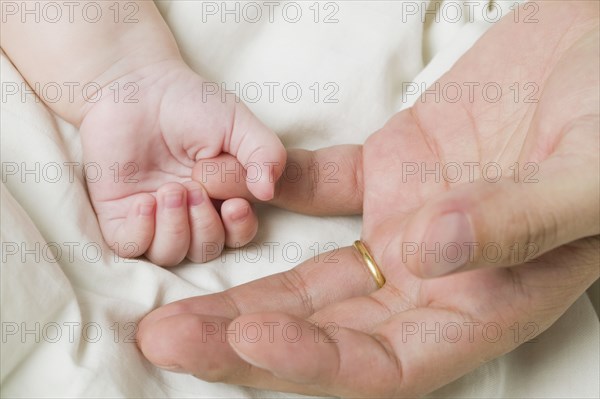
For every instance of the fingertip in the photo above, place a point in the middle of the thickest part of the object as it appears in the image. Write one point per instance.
(146, 208)
(207, 234)
(235, 210)
(277, 166)
(253, 351)
(146, 213)
(240, 222)
(264, 168)
(196, 194)
(436, 241)
(245, 353)
(172, 232)
(158, 345)
(452, 233)
(134, 235)
(262, 190)
(171, 196)
(290, 338)
(189, 343)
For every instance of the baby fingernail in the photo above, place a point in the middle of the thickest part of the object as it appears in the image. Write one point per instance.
(270, 193)
(195, 197)
(146, 209)
(173, 200)
(240, 214)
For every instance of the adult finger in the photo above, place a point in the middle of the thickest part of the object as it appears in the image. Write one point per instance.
(322, 182)
(393, 361)
(197, 344)
(418, 350)
(319, 281)
(301, 291)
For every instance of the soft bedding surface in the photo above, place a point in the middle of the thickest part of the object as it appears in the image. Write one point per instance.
(70, 306)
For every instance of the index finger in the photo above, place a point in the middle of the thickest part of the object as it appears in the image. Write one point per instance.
(322, 182)
(191, 333)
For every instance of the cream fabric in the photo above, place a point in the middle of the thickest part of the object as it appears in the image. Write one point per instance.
(73, 306)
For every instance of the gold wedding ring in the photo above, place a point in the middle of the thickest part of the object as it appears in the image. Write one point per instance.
(370, 262)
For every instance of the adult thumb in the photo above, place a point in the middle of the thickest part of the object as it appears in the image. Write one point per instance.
(502, 223)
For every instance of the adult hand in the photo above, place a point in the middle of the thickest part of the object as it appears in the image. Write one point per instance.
(359, 341)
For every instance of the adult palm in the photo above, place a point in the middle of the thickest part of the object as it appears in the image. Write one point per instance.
(375, 343)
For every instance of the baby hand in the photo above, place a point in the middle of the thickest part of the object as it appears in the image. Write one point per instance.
(145, 149)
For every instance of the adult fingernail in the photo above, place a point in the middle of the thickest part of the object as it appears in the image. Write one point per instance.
(195, 197)
(245, 357)
(447, 244)
(174, 199)
(240, 214)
